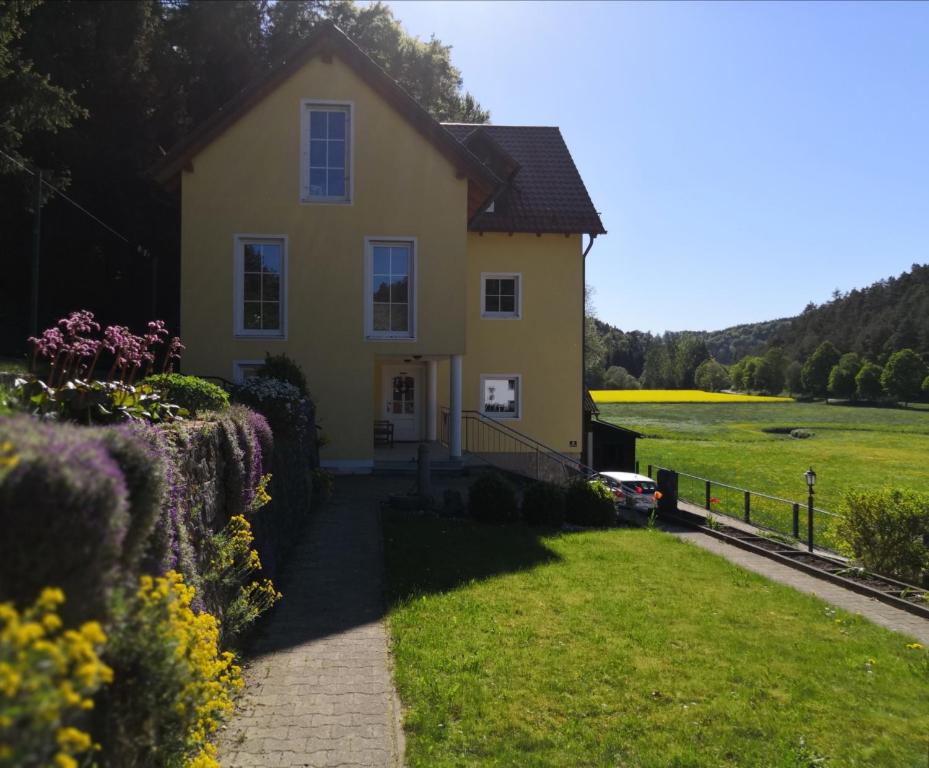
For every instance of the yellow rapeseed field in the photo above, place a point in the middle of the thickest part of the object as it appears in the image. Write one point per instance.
(678, 396)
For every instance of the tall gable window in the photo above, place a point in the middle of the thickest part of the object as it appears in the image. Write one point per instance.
(260, 290)
(390, 273)
(500, 295)
(326, 138)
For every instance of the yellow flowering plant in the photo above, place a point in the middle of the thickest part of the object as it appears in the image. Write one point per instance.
(48, 678)
(230, 584)
(174, 686)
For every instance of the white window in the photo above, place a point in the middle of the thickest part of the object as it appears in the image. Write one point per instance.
(243, 370)
(261, 285)
(390, 288)
(500, 294)
(501, 395)
(326, 149)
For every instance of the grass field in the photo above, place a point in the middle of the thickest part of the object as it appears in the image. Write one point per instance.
(678, 396)
(852, 447)
(630, 648)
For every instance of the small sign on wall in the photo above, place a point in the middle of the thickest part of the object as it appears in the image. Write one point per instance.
(573, 443)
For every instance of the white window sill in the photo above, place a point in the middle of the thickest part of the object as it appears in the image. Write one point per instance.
(500, 316)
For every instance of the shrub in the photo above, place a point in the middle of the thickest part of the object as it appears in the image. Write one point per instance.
(589, 504)
(48, 677)
(887, 530)
(323, 483)
(191, 392)
(284, 368)
(492, 499)
(232, 592)
(138, 451)
(544, 504)
(172, 686)
(63, 513)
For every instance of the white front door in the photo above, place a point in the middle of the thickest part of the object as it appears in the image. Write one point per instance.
(402, 396)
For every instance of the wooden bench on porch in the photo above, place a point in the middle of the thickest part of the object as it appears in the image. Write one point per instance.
(384, 433)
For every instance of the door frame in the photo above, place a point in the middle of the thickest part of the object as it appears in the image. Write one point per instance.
(420, 397)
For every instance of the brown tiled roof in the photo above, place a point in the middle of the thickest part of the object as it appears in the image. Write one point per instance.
(546, 192)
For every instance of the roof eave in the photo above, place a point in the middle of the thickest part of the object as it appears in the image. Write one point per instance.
(326, 39)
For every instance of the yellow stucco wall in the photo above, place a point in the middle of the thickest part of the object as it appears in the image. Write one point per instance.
(248, 180)
(543, 345)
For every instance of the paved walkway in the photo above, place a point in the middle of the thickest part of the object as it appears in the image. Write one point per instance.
(878, 612)
(318, 689)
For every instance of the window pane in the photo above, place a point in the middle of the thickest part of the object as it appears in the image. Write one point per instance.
(317, 182)
(336, 184)
(399, 319)
(336, 154)
(252, 287)
(271, 316)
(408, 407)
(399, 261)
(507, 303)
(271, 288)
(381, 260)
(381, 288)
(317, 124)
(398, 290)
(337, 125)
(499, 396)
(381, 317)
(493, 288)
(508, 287)
(252, 258)
(318, 154)
(491, 303)
(271, 259)
(252, 315)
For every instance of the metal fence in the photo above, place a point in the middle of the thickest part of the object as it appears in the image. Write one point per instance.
(797, 520)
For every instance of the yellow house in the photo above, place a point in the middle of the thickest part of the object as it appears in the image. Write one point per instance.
(426, 275)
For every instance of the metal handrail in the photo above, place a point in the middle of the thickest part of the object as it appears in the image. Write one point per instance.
(524, 444)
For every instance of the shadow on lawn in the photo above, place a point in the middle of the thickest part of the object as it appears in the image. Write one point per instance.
(428, 554)
(336, 577)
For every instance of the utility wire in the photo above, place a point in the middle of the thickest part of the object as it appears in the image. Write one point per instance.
(73, 202)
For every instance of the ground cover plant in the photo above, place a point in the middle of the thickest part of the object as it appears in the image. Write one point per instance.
(631, 648)
(602, 396)
(852, 448)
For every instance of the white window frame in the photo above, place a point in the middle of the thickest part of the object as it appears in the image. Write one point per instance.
(239, 367)
(519, 396)
(517, 313)
(369, 333)
(306, 105)
(238, 287)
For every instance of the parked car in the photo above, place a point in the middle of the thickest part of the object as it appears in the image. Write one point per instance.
(631, 491)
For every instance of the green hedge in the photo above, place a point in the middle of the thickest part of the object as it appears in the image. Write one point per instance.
(195, 394)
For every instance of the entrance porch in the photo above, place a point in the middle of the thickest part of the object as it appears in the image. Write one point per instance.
(406, 407)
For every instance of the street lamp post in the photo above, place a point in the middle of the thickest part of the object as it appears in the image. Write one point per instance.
(810, 476)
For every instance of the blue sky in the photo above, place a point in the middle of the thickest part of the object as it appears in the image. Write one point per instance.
(747, 158)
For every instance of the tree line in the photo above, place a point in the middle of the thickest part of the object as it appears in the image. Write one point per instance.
(883, 330)
(93, 93)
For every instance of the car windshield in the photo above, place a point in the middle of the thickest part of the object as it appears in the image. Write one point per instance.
(636, 487)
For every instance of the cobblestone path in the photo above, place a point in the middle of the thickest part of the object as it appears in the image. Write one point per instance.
(318, 688)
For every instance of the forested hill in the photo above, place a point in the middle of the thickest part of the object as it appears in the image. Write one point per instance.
(732, 344)
(875, 321)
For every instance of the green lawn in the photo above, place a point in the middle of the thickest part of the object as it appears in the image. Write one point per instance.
(853, 447)
(629, 648)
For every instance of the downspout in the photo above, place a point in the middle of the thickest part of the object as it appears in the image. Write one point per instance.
(592, 236)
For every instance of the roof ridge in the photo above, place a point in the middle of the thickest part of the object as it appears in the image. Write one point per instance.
(502, 125)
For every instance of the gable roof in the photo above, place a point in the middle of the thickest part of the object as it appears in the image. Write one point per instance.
(544, 194)
(326, 40)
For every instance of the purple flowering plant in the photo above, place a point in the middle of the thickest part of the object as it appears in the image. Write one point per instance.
(72, 350)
